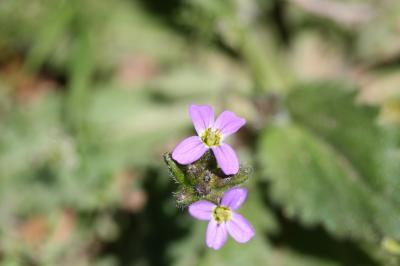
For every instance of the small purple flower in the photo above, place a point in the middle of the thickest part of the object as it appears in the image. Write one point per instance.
(210, 135)
(223, 218)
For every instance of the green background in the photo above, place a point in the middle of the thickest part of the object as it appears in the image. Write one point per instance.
(93, 93)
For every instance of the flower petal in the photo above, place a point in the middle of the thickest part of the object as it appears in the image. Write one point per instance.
(228, 123)
(216, 234)
(202, 210)
(226, 158)
(202, 117)
(239, 228)
(234, 197)
(189, 150)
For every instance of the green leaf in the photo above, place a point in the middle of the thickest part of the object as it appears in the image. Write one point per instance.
(326, 167)
(330, 113)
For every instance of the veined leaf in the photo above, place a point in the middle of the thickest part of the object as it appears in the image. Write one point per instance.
(328, 167)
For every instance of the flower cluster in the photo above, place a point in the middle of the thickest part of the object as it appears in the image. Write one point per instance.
(197, 176)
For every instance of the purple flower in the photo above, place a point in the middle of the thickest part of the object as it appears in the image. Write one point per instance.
(210, 135)
(223, 218)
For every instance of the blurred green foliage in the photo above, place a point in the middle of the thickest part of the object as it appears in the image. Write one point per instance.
(92, 93)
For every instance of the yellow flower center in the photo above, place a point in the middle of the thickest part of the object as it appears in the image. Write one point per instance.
(211, 137)
(222, 214)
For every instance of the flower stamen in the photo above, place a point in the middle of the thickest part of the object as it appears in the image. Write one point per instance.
(222, 214)
(211, 137)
